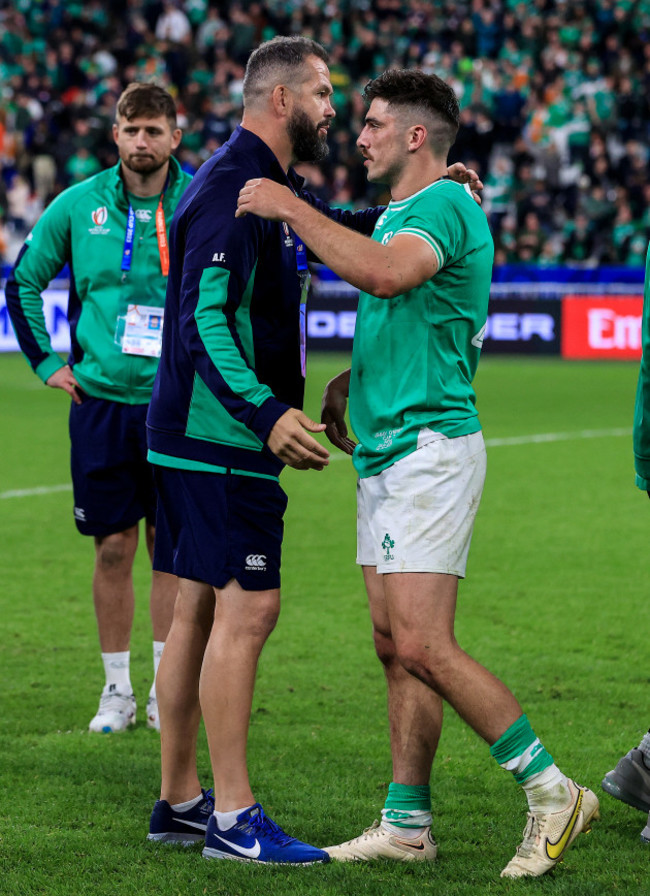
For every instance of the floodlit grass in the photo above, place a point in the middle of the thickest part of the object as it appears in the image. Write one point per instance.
(554, 603)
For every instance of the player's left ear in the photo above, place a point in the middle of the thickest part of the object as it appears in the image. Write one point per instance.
(416, 137)
(281, 100)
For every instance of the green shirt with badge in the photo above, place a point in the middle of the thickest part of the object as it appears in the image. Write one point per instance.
(415, 355)
(115, 308)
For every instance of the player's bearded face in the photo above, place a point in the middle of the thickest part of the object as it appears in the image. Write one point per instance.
(143, 163)
(308, 144)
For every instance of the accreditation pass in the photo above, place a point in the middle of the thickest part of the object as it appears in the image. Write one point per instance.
(143, 330)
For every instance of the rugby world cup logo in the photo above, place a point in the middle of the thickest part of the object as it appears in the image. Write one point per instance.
(100, 216)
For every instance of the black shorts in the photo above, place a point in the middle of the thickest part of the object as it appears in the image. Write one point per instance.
(214, 527)
(112, 480)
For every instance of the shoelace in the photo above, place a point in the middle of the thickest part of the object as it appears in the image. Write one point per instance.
(265, 825)
(110, 701)
(208, 796)
(531, 835)
(371, 832)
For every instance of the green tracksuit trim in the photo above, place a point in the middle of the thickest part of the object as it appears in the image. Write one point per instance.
(181, 463)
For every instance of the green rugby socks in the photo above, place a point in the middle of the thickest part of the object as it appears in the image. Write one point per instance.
(407, 809)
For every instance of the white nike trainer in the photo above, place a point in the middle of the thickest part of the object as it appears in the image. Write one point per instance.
(547, 837)
(378, 843)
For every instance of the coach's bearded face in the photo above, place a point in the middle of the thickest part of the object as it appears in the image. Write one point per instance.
(309, 140)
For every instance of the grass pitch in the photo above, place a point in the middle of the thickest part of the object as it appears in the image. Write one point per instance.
(554, 603)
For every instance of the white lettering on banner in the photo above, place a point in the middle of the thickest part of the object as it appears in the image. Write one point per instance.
(609, 330)
(330, 324)
(55, 309)
(512, 327)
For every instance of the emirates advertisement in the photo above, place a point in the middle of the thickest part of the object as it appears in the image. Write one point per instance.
(602, 327)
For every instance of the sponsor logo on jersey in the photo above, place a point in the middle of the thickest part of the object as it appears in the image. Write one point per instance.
(100, 215)
(143, 214)
(99, 218)
(256, 562)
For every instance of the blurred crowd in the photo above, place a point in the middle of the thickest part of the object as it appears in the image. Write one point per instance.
(555, 99)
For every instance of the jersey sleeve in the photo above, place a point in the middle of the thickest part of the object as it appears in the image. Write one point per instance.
(436, 218)
(214, 324)
(41, 258)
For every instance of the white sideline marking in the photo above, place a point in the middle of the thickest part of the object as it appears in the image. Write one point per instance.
(559, 437)
(490, 443)
(40, 490)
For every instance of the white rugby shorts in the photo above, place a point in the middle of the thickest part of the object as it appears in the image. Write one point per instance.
(418, 514)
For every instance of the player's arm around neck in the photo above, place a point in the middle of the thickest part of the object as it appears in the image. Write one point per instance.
(403, 263)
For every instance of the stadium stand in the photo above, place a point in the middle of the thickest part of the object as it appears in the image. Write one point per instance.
(555, 102)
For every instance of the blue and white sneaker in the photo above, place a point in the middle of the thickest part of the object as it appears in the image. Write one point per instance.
(255, 838)
(168, 826)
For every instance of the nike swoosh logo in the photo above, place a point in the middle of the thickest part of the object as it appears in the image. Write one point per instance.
(555, 850)
(192, 824)
(251, 852)
(411, 844)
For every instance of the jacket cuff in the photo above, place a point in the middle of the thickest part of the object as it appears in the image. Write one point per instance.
(49, 366)
(266, 416)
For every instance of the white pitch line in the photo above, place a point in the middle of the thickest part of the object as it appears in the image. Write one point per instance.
(559, 437)
(532, 439)
(39, 490)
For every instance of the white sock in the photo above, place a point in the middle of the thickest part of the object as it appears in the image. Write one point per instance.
(419, 822)
(157, 653)
(405, 833)
(547, 791)
(116, 668)
(226, 820)
(189, 804)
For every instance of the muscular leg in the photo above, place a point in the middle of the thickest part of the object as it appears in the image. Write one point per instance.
(177, 686)
(164, 588)
(243, 620)
(414, 710)
(421, 609)
(113, 588)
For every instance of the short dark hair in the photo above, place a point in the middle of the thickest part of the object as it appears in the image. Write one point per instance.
(416, 92)
(146, 100)
(276, 60)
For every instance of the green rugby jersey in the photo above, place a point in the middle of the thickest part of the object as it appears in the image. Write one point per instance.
(415, 355)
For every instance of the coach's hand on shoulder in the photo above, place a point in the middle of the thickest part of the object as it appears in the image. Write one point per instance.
(290, 441)
(333, 405)
(64, 378)
(264, 197)
(464, 175)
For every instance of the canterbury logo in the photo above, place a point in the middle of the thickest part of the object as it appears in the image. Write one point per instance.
(555, 850)
(256, 561)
